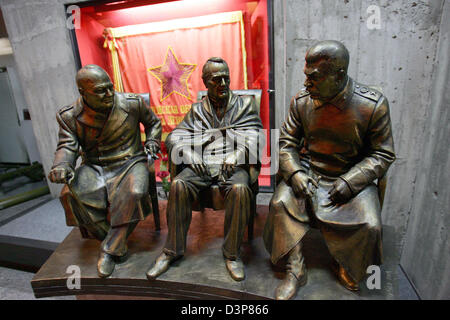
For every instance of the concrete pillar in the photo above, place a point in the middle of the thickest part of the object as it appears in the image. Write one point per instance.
(45, 64)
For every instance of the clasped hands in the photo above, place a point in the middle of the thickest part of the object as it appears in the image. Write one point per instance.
(199, 167)
(304, 185)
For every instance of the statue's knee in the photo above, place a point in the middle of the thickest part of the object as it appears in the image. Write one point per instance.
(240, 188)
(178, 185)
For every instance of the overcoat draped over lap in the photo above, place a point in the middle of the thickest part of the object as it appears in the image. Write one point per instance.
(348, 137)
(113, 172)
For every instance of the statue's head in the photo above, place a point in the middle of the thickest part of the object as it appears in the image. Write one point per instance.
(216, 77)
(326, 69)
(95, 87)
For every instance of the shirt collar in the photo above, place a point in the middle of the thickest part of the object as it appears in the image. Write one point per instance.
(341, 100)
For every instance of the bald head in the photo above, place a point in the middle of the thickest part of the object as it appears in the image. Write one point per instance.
(89, 74)
(326, 69)
(334, 53)
(95, 87)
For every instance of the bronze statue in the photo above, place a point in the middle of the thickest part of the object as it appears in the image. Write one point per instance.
(103, 127)
(205, 139)
(335, 142)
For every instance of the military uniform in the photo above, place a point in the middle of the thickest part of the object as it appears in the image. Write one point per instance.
(350, 138)
(113, 176)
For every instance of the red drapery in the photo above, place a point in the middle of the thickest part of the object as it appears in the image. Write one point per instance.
(166, 59)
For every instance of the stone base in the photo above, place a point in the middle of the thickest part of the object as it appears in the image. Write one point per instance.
(201, 273)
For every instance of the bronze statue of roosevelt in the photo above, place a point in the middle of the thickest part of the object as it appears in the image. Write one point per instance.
(335, 142)
(103, 127)
(214, 140)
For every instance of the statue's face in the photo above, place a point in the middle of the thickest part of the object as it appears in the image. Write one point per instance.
(218, 81)
(322, 82)
(98, 92)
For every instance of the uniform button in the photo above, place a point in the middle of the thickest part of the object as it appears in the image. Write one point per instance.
(212, 138)
(372, 93)
(364, 90)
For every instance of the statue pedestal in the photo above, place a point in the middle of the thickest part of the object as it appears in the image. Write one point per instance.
(201, 274)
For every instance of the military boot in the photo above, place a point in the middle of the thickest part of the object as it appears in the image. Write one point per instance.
(295, 275)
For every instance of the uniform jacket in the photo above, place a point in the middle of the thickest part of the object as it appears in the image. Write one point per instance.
(348, 137)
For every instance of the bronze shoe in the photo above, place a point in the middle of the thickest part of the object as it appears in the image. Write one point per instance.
(236, 269)
(344, 278)
(105, 265)
(161, 265)
(289, 286)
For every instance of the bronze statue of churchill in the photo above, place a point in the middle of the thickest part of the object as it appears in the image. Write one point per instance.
(214, 139)
(335, 142)
(103, 127)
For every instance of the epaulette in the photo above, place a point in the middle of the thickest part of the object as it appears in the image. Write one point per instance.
(368, 92)
(302, 93)
(132, 96)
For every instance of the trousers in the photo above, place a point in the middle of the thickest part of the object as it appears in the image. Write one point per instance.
(185, 189)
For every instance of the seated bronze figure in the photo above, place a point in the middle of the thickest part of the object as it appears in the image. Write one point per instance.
(214, 142)
(103, 127)
(335, 142)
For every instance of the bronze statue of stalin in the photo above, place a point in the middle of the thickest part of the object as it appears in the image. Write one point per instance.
(103, 127)
(335, 142)
(212, 125)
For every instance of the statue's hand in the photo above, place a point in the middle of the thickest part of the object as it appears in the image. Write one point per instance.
(152, 148)
(61, 174)
(229, 165)
(197, 165)
(302, 184)
(340, 192)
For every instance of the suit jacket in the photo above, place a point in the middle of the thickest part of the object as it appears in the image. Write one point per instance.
(82, 132)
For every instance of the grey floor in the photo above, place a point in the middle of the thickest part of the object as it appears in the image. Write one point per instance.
(43, 219)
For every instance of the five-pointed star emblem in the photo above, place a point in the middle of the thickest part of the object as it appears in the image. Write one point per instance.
(173, 75)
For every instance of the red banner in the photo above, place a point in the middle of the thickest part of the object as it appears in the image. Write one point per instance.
(166, 59)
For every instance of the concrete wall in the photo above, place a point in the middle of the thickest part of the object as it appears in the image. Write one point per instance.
(426, 257)
(400, 57)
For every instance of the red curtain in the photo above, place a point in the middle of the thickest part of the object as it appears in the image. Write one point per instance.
(166, 59)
